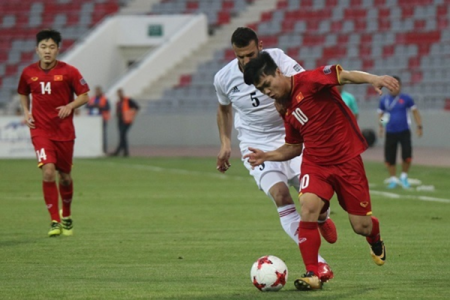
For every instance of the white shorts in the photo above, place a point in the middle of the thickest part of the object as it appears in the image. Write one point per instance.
(273, 172)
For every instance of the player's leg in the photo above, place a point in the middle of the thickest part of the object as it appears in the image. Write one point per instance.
(314, 197)
(352, 190)
(369, 226)
(309, 241)
(289, 217)
(46, 155)
(390, 155)
(406, 145)
(125, 140)
(326, 225)
(274, 184)
(51, 198)
(119, 145)
(105, 136)
(64, 166)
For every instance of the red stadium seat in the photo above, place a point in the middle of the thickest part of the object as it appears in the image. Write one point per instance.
(10, 69)
(185, 80)
(27, 56)
(227, 5)
(367, 64)
(192, 5)
(266, 16)
(388, 50)
(414, 62)
(355, 13)
(407, 12)
(229, 54)
(287, 26)
(223, 17)
(447, 104)
(281, 4)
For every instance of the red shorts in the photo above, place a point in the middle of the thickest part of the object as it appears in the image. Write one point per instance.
(348, 180)
(59, 153)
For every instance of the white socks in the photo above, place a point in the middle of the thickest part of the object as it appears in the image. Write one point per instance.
(290, 219)
(404, 175)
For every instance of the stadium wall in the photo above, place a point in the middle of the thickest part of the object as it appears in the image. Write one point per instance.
(180, 129)
(101, 56)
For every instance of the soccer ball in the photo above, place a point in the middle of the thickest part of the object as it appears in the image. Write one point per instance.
(269, 273)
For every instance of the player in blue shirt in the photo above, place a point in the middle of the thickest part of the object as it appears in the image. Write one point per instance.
(393, 114)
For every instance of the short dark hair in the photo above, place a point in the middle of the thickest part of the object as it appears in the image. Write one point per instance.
(48, 34)
(242, 37)
(263, 64)
(397, 78)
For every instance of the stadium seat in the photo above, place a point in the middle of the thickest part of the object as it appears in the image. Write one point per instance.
(21, 20)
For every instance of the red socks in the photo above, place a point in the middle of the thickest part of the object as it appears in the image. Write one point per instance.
(309, 244)
(375, 234)
(51, 199)
(66, 192)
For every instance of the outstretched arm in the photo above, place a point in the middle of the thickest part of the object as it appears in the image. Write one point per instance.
(285, 152)
(224, 123)
(378, 82)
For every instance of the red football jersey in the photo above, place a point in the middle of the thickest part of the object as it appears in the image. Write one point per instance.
(50, 89)
(318, 117)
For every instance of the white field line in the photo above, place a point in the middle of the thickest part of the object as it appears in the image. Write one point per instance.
(223, 176)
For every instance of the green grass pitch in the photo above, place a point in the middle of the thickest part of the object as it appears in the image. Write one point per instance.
(174, 228)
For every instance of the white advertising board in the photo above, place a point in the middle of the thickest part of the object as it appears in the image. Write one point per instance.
(15, 139)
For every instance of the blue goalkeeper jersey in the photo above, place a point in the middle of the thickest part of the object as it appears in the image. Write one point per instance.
(397, 107)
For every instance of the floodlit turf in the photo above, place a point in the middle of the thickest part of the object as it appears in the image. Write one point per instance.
(165, 228)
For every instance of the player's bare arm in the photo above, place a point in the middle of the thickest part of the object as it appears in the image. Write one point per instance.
(283, 153)
(66, 110)
(25, 102)
(418, 120)
(378, 82)
(224, 123)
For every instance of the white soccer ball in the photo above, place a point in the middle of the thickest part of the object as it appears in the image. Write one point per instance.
(269, 273)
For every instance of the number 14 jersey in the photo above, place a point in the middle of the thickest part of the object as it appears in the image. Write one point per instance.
(51, 89)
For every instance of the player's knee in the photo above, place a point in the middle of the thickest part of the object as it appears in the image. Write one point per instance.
(282, 199)
(65, 179)
(362, 228)
(280, 195)
(48, 174)
(311, 206)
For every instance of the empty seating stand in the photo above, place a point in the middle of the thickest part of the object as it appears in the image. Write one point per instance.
(20, 20)
(409, 38)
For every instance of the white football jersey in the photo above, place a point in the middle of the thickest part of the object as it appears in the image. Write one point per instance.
(256, 118)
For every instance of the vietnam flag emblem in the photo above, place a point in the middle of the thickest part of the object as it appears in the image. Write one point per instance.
(57, 78)
(299, 97)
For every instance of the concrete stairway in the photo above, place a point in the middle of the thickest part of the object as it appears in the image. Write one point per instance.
(219, 40)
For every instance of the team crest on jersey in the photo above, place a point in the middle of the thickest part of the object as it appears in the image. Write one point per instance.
(235, 90)
(34, 78)
(327, 69)
(82, 81)
(299, 97)
(58, 78)
(297, 68)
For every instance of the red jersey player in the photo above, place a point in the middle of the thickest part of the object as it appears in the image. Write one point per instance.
(52, 85)
(315, 116)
